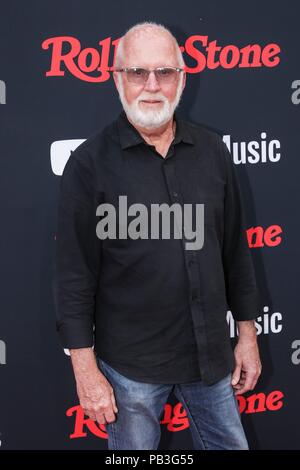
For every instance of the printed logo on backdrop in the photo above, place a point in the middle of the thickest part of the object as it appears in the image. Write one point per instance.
(296, 94)
(175, 417)
(252, 152)
(267, 323)
(60, 152)
(2, 352)
(258, 237)
(92, 64)
(2, 92)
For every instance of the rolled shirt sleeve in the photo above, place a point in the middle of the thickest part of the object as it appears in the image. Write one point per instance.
(77, 254)
(241, 286)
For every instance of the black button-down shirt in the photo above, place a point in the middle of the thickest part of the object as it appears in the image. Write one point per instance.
(153, 310)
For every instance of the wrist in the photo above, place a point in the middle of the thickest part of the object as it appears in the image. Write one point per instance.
(247, 330)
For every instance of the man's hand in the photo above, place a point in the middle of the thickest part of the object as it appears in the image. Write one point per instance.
(247, 360)
(96, 395)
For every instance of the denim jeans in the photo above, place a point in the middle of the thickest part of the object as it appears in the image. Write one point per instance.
(212, 410)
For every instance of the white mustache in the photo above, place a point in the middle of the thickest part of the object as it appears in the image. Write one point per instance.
(152, 98)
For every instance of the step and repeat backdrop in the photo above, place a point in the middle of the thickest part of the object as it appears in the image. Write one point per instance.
(56, 89)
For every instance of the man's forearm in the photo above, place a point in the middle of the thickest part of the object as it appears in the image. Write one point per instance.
(247, 330)
(96, 395)
(83, 361)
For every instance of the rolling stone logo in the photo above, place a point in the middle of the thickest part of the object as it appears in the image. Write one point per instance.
(175, 417)
(91, 64)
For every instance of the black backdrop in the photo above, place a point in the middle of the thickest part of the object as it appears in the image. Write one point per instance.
(249, 103)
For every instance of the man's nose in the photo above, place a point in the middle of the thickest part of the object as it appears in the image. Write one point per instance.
(152, 83)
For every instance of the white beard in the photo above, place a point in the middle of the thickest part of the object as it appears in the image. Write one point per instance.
(151, 118)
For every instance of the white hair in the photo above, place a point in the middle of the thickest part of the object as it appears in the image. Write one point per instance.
(151, 118)
(146, 26)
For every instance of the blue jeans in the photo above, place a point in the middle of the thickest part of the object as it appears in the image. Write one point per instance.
(212, 410)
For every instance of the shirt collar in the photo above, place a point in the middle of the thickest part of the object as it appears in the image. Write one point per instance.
(130, 137)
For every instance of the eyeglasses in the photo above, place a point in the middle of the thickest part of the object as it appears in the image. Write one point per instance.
(139, 76)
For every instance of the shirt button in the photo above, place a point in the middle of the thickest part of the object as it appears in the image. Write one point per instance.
(175, 194)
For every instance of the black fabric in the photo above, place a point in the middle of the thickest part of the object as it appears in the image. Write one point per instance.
(154, 310)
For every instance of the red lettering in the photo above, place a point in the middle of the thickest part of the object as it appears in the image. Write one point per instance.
(260, 402)
(271, 235)
(274, 400)
(226, 61)
(270, 55)
(179, 421)
(211, 49)
(175, 418)
(253, 52)
(256, 403)
(195, 53)
(81, 422)
(258, 238)
(82, 63)
(83, 59)
(68, 59)
(58, 57)
(255, 236)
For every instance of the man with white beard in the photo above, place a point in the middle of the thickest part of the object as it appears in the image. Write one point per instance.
(145, 317)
